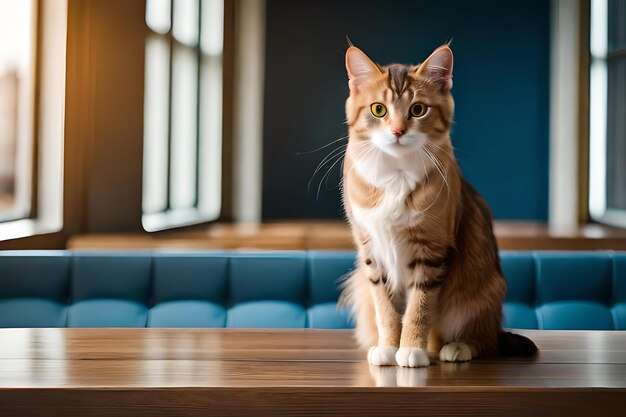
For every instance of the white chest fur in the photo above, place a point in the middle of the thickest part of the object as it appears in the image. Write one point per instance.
(391, 215)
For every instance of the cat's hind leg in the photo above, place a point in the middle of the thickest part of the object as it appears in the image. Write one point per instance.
(468, 339)
(457, 352)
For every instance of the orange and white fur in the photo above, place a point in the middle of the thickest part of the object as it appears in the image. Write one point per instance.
(428, 276)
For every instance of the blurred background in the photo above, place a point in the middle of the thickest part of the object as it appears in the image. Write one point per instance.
(199, 124)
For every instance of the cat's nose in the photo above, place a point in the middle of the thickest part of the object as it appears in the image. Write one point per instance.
(398, 132)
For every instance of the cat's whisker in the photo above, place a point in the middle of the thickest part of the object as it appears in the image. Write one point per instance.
(425, 211)
(342, 159)
(443, 177)
(329, 163)
(369, 148)
(364, 148)
(326, 160)
(322, 147)
(424, 166)
(449, 152)
(319, 187)
(367, 145)
(329, 171)
(441, 148)
(437, 160)
(437, 164)
(341, 168)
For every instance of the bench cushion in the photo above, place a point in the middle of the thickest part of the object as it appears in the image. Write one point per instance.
(547, 290)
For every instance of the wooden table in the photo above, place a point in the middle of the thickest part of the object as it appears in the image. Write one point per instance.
(179, 372)
(336, 235)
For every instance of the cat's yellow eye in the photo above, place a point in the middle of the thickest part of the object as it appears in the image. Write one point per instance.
(418, 110)
(378, 109)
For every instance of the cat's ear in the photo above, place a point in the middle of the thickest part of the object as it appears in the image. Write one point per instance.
(360, 68)
(438, 67)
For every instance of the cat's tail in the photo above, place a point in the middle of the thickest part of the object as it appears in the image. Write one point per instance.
(511, 344)
(356, 296)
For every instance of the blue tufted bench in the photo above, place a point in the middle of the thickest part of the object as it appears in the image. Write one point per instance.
(559, 290)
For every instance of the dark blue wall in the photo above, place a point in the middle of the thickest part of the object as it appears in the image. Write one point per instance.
(501, 89)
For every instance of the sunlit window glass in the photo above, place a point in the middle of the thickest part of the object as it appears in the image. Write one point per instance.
(184, 128)
(186, 21)
(607, 152)
(156, 124)
(183, 113)
(159, 15)
(17, 51)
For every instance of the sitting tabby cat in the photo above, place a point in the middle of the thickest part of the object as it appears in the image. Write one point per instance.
(428, 275)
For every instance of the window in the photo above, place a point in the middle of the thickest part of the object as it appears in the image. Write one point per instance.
(32, 108)
(183, 113)
(17, 58)
(607, 176)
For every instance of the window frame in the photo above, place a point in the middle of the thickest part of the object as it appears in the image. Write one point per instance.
(41, 226)
(91, 140)
(599, 57)
(30, 209)
(169, 217)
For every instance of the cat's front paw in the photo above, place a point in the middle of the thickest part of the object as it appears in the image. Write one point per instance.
(412, 357)
(455, 352)
(382, 355)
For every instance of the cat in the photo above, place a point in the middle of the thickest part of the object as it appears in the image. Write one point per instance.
(428, 276)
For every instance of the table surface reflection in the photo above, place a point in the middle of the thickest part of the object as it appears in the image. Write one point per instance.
(304, 365)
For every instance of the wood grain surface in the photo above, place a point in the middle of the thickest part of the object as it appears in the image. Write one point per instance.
(336, 235)
(233, 372)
